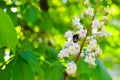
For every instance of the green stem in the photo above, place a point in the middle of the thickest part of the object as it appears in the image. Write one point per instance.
(6, 62)
(46, 61)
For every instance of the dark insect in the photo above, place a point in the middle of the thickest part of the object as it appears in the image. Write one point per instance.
(75, 38)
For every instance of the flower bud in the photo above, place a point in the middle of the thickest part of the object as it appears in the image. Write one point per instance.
(86, 3)
(89, 12)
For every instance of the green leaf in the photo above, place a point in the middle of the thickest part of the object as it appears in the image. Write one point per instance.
(33, 61)
(72, 78)
(100, 73)
(52, 53)
(104, 3)
(84, 77)
(1, 56)
(29, 57)
(83, 67)
(53, 72)
(8, 35)
(97, 73)
(30, 13)
(22, 70)
(6, 73)
(13, 16)
(93, 2)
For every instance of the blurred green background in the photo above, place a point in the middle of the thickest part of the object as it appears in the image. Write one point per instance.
(41, 24)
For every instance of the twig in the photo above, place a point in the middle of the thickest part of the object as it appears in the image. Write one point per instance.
(65, 75)
(6, 62)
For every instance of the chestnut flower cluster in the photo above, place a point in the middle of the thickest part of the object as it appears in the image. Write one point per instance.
(75, 38)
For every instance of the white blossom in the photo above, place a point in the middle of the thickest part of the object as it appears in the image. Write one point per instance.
(100, 31)
(89, 12)
(82, 33)
(14, 9)
(95, 23)
(60, 55)
(95, 31)
(86, 2)
(71, 68)
(93, 48)
(63, 53)
(68, 43)
(92, 54)
(104, 18)
(76, 21)
(79, 26)
(92, 43)
(98, 51)
(74, 49)
(101, 24)
(103, 33)
(68, 35)
(89, 59)
(82, 54)
(107, 10)
(7, 54)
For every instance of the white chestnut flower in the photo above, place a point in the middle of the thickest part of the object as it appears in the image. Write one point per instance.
(90, 60)
(102, 24)
(63, 53)
(79, 26)
(71, 68)
(76, 21)
(99, 32)
(82, 54)
(60, 55)
(82, 33)
(68, 35)
(107, 10)
(93, 48)
(92, 45)
(102, 33)
(95, 23)
(68, 43)
(89, 38)
(89, 12)
(92, 54)
(104, 18)
(86, 2)
(93, 42)
(98, 51)
(95, 31)
(74, 49)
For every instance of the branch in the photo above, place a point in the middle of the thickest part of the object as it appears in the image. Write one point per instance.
(65, 76)
(44, 5)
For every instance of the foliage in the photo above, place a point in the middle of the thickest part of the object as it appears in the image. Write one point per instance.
(34, 34)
